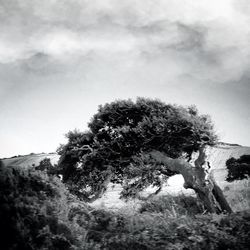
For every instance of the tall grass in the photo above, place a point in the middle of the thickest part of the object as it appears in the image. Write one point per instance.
(238, 195)
(149, 230)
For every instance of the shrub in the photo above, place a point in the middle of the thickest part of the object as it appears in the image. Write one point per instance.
(34, 210)
(238, 169)
(48, 167)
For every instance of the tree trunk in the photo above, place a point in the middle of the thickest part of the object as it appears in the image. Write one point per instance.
(197, 178)
(219, 196)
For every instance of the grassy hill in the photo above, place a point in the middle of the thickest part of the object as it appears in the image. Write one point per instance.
(237, 192)
(29, 160)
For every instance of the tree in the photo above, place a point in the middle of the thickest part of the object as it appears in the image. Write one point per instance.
(138, 144)
(238, 169)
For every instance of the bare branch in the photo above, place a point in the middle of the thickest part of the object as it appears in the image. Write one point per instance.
(83, 148)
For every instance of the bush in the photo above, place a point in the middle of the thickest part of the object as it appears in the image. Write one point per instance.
(48, 167)
(238, 169)
(34, 210)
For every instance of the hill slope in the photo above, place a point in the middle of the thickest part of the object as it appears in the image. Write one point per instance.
(29, 160)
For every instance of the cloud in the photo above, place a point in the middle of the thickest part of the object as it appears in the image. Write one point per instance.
(207, 40)
(212, 35)
(59, 59)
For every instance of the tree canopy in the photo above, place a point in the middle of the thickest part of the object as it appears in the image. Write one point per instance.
(120, 137)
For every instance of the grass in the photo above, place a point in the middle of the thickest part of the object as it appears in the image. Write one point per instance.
(162, 230)
(238, 195)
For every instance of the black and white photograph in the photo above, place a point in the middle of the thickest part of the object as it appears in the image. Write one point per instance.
(124, 124)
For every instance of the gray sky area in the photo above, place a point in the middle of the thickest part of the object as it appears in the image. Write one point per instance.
(60, 59)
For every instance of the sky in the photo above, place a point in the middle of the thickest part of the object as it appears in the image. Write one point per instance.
(60, 59)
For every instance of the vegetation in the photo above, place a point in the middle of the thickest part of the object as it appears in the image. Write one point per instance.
(161, 231)
(34, 209)
(238, 169)
(138, 144)
(37, 212)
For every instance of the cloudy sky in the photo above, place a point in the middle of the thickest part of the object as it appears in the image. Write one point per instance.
(60, 59)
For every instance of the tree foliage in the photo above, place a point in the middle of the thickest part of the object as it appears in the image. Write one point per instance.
(238, 169)
(119, 136)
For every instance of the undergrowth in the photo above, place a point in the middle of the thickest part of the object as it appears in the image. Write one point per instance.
(158, 230)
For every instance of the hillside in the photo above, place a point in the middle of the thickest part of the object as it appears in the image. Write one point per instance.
(237, 192)
(29, 160)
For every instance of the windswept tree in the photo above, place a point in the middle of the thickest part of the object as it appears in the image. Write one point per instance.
(138, 144)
